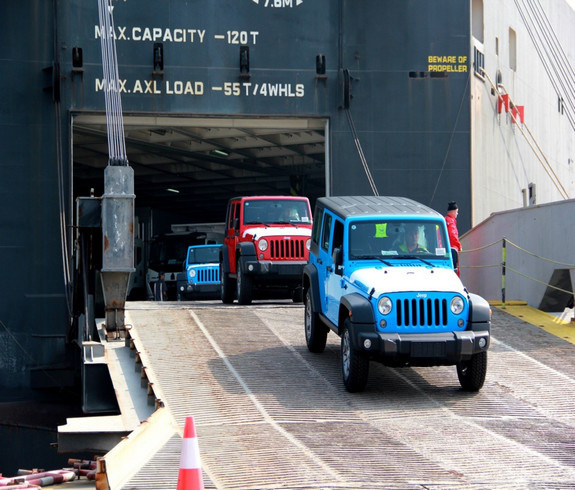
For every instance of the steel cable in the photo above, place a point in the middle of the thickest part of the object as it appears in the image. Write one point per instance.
(64, 244)
(541, 35)
(479, 266)
(542, 45)
(561, 59)
(506, 263)
(538, 256)
(546, 63)
(538, 152)
(540, 282)
(361, 154)
(562, 64)
(519, 248)
(481, 248)
(113, 101)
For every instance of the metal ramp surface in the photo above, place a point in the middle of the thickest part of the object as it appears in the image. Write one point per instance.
(270, 414)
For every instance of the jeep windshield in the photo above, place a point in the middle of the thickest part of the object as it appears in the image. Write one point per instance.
(204, 255)
(276, 211)
(395, 239)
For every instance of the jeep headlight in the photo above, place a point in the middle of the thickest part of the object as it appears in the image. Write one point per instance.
(308, 244)
(384, 305)
(263, 245)
(456, 305)
(193, 273)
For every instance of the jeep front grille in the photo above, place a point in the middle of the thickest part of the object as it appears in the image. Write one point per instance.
(207, 275)
(421, 312)
(288, 249)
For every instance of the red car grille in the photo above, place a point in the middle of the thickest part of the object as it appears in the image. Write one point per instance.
(288, 249)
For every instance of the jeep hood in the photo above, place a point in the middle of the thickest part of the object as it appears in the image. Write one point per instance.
(271, 231)
(403, 279)
(199, 266)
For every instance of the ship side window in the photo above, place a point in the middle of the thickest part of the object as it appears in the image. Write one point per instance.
(532, 194)
(512, 49)
(477, 20)
(478, 62)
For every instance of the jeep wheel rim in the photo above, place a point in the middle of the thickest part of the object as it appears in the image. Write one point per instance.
(345, 354)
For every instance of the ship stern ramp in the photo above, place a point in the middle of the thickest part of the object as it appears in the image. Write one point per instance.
(144, 442)
(101, 433)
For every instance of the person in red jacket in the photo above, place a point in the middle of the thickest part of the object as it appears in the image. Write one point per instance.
(451, 220)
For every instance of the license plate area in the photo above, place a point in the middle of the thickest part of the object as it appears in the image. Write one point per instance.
(428, 349)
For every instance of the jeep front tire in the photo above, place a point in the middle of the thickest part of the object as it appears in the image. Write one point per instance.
(354, 365)
(226, 287)
(243, 286)
(472, 373)
(315, 331)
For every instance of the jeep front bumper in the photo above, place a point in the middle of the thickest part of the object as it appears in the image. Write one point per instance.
(274, 270)
(421, 349)
(198, 289)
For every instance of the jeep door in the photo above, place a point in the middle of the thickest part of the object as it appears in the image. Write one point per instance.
(231, 237)
(324, 257)
(334, 273)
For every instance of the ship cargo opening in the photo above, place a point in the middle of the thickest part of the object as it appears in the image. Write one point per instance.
(187, 168)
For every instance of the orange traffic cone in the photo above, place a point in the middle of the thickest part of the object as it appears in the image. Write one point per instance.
(190, 476)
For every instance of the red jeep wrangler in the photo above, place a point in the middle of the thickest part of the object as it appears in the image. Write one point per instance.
(266, 247)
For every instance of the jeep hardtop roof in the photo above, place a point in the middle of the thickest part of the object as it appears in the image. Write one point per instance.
(375, 206)
(205, 246)
(294, 198)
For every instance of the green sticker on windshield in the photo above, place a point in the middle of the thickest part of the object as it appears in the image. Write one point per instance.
(381, 230)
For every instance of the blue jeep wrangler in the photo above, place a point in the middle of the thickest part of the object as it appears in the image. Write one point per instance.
(380, 275)
(201, 276)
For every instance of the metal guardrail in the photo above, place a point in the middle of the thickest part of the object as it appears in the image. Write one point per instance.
(504, 266)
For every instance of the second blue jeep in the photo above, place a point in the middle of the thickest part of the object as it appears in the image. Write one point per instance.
(201, 276)
(380, 275)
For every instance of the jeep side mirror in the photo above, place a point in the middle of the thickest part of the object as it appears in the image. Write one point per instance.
(236, 224)
(337, 257)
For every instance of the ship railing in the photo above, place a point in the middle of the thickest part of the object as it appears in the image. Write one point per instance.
(465, 263)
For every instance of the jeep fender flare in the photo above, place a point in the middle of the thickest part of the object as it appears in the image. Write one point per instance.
(225, 260)
(358, 308)
(245, 251)
(479, 313)
(310, 280)
(360, 311)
